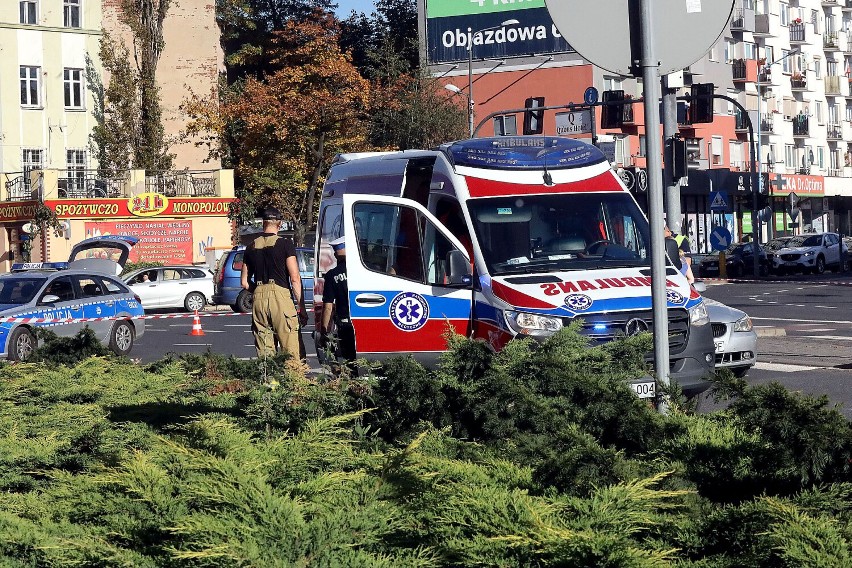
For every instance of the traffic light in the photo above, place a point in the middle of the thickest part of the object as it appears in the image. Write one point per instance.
(533, 119)
(693, 154)
(612, 116)
(676, 152)
(701, 103)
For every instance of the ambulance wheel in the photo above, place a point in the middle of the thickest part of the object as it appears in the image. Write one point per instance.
(243, 303)
(121, 338)
(22, 343)
(194, 302)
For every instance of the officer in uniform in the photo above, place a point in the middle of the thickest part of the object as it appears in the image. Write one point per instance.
(271, 271)
(335, 300)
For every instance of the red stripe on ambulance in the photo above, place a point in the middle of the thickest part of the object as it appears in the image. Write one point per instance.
(382, 336)
(605, 182)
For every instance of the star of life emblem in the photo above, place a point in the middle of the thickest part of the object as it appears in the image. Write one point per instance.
(675, 297)
(578, 302)
(409, 311)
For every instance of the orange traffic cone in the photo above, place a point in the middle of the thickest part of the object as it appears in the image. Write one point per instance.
(196, 325)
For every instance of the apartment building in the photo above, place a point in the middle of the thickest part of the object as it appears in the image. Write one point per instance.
(48, 47)
(786, 63)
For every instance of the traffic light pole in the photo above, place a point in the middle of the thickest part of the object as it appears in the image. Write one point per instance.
(674, 215)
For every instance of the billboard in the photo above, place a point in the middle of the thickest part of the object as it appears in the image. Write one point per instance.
(447, 23)
(169, 242)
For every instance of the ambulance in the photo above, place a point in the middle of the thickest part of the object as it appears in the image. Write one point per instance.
(497, 238)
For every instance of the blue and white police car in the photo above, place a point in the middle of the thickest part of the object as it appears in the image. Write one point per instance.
(67, 296)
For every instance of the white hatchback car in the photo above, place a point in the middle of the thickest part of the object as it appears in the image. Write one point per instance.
(734, 337)
(187, 287)
(810, 253)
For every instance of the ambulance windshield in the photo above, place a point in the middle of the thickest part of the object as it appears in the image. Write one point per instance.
(543, 233)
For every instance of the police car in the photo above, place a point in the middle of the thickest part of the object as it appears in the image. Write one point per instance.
(67, 296)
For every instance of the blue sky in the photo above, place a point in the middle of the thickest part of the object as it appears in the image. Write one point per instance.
(344, 7)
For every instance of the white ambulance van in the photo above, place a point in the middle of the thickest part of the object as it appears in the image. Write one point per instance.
(497, 238)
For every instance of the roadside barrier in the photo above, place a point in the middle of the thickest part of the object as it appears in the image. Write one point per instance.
(107, 318)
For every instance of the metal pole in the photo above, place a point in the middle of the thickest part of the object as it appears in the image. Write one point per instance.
(651, 81)
(755, 167)
(470, 80)
(673, 210)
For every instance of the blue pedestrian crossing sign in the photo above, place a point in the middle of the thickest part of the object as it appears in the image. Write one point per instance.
(719, 201)
(720, 238)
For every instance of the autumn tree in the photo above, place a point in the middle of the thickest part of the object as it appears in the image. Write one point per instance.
(129, 129)
(286, 127)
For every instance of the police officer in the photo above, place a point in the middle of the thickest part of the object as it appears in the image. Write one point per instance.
(684, 252)
(335, 300)
(271, 271)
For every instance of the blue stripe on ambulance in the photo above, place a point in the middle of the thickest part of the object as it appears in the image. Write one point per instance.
(438, 307)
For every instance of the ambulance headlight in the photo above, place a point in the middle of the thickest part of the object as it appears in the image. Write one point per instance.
(532, 324)
(698, 314)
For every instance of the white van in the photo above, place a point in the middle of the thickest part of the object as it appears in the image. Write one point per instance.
(498, 237)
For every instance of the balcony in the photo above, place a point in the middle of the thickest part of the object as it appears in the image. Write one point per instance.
(763, 27)
(846, 41)
(767, 123)
(830, 3)
(627, 114)
(798, 82)
(833, 131)
(832, 85)
(18, 186)
(835, 172)
(744, 70)
(797, 33)
(847, 6)
(800, 126)
(741, 122)
(830, 42)
(92, 184)
(743, 20)
(183, 183)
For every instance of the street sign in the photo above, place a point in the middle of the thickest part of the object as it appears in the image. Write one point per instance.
(720, 238)
(590, 97)
(608, 33)
(793, 201)
(719, 201)
(577, 122)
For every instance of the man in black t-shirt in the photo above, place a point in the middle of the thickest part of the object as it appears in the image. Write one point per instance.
(271, 271)
(335, 300)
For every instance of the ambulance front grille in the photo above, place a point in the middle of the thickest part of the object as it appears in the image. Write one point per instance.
(605, 327)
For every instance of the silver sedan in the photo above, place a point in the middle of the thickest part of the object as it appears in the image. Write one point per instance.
(734, 336)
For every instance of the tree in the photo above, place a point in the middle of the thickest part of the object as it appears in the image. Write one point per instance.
(286, 127)
(392, 29)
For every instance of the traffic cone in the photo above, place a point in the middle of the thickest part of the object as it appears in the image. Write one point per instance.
(196, 325)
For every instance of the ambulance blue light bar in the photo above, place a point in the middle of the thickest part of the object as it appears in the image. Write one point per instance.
(524, 153)
(23, 266)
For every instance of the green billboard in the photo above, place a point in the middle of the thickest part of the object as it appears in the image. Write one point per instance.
(444, 8)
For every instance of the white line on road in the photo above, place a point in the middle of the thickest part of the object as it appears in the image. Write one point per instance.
(237, 325)
(781, 368)
(797, 320)
(840, 337)
(820, 329)
(826, 307)
(194, 345)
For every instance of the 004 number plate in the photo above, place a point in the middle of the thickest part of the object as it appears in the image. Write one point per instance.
(644, 389)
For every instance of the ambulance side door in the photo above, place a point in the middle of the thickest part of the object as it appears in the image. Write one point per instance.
(400, 296)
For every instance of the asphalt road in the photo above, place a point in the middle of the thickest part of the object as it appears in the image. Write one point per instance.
(804, 327)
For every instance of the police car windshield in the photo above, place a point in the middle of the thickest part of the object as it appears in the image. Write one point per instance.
(20, 289)
(543, 233)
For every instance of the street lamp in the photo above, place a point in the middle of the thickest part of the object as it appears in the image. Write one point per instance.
(453, 88)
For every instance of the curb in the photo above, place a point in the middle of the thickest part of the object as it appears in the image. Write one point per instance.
(762, 281)
(770, 331)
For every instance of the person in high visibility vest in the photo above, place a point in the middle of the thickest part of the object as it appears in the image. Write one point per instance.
(684, 251)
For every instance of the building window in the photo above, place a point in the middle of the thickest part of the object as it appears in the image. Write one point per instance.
(789, 156)
(786, 64)
(730, 49)
(716, 150)
(820, 157)
(769, 54)
(622, 150)
(613, 83)
(643, 146)
(73, 79)
(749, 50)
(72, 13)
(785, 14)
(818, 111)
(505, 125)
(75, 161)
(28, 11)
(818, 68)
(30, 95)
(31, 159)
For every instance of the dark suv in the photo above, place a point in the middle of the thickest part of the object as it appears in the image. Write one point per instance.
(226, 278)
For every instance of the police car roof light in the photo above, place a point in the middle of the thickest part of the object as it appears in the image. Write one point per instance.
(22, 266)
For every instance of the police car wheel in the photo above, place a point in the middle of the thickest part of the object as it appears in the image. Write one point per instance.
(194, 302)
(243, 303)
(121, 338)
(22, 344)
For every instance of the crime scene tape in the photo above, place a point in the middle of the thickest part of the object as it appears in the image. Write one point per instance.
(107, 318)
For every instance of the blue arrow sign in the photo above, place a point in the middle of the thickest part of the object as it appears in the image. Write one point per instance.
(720, 238)
(719, 201)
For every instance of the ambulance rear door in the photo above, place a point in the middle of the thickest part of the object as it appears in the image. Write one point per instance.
(403, 295)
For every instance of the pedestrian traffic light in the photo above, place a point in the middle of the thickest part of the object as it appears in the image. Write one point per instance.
(612, 115)
(693, 154)
(533, 119)
(701, 103)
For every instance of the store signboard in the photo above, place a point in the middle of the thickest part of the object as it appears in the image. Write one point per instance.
(576, 122)
(146, 204)
(447, 23)
(18, 211)
(803, 186)
(169, 242)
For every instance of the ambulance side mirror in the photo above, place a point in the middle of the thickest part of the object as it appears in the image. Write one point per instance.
(459, 269)
(699, 286)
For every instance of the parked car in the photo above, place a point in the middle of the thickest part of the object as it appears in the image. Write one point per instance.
(58, 295)
(226, 278)
(810, 253)
(734, 337)
(186, 287)
(772, 247)
(739, 260)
